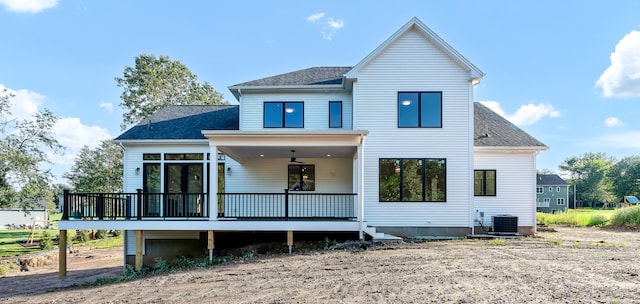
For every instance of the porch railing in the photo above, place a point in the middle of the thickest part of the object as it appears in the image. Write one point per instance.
(137, 205)
(256, 206)
(287, 205)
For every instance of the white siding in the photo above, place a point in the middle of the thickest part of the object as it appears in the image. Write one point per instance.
(515, 186)
(316, 109)
(412, 63)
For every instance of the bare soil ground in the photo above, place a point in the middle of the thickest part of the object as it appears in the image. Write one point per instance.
(570, 265)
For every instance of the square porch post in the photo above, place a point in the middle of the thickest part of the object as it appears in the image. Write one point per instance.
(62, 254)
(213, 182)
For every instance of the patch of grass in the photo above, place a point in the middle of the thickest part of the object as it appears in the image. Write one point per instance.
(626, 216)
(607, 244)
(497, 242)
(576, 217)
(10, 248)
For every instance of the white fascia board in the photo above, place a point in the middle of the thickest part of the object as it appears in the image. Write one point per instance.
(235, 133)
(126, 142)
(239, 90)
(475, 74)
(202, 225)
(506, 149)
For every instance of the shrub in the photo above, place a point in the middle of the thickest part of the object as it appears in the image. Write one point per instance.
(45, 241)
(116, 233)
(161, 265)
(626, 216)
(101, 234)
(83, 236)
(497, 242)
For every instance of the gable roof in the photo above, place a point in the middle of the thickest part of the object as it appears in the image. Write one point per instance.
(549, 179)
(184, 122)
(492, 130)
(475, 74)
(310, 77)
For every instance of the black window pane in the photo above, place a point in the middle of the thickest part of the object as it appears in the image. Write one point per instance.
(408, 110)
(431, 109)
(151, 156)
(335, 114)
(412, 180)
(435, 180)
(491, 183)
(273, 115)
(389, 180)
(293, 115)
(478, 182)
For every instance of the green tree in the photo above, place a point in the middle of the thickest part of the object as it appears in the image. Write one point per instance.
(23, 151)
(97, 170)
(625, 176)
(589, 172)
(154, 83)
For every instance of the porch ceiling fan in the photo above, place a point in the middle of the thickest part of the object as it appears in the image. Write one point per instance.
(293, 157)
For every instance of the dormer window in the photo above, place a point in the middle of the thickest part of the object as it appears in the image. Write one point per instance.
(283, 114)
(420, 109)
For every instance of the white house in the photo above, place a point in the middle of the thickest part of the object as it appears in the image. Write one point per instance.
(393, 146)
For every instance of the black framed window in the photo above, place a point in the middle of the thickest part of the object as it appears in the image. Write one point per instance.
(420, 109)
(335, 114)
(302, 178)
(413, 180)
(484, 182)
(283, 115)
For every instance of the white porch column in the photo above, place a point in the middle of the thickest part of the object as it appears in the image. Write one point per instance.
(360, 184)
(213, 182)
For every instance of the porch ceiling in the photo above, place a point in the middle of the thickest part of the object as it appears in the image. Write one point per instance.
(254, 152)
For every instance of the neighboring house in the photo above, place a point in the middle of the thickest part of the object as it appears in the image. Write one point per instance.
(393, 146)
(552, 193)
(16, 218)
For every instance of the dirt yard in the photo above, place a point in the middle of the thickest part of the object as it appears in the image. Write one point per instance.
(571, 265)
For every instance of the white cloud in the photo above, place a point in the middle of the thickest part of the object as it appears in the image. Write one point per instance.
(24, 103)
(329, 25)
(624, 140)
(72, 134)
(107, 106)
(315, 17)
(622, 77)
(612, 122)
(335, 24)
(28, 6)
(526, 114)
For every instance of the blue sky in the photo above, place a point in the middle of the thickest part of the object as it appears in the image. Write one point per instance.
(567, 72)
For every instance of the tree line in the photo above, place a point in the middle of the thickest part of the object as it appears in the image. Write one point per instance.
(601, 178)
(25, 144)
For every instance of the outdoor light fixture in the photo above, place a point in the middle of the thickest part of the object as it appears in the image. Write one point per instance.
(138, 171)
(229, 171)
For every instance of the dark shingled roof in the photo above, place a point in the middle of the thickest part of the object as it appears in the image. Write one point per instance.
(492, 130)
(187, 122)
(184, 122)
(549, 179)
(310, 76)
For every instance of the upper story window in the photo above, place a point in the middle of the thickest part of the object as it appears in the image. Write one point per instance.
(335, 114)
(484, 182)
(420, 109)
(539, 190)
(284, 114)
(557, 189)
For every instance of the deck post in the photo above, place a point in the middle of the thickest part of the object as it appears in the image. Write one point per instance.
(290, 240)
(138, 265)
(210, 245)
(62, 254)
